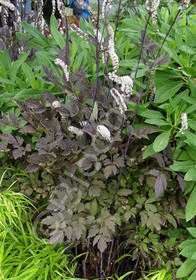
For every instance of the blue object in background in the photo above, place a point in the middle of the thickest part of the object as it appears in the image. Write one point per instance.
(78, 11)
(26, 3)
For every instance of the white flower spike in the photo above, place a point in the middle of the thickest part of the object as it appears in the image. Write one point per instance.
(104, 131)
(56, 104)
(184, 123)
(8, 4)
(119, 100)
(64, 67)
(75, 130)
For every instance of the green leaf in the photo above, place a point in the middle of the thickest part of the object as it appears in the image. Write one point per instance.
(35, 33)
(94, 207)
(190, 175)
(186, 268)
(193, 276)
(186, 243)
(189, 252)
(191, 206)
(28, 71)
(192, 88)
(156, 122)
(192, 231)
(161, 142)
(191, 138)
(152, 114)
(124, 192)
(55, 32)
(182, 166)
(149, 151)
(94, 115)
(167, 91)
(35, 84)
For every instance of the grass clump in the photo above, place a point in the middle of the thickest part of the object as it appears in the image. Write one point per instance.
(23, 255)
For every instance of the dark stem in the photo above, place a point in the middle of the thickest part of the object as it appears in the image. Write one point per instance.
(117, 20)
(141, 93)
(135, 267)
(67, 42)
(101, 265)
(84, 269)
(109, 257)
(141, 49)
(97, 62)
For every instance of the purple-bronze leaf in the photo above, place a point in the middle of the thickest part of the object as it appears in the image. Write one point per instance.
(51, 98)
(162, 60)
(181, 182)
(27, 129)
(17, 153)
(102, 244)
(108, 170)
(4, 120)
(8, 138)
(3, 147)
(14, 120)
(19, 104)
(160, 184)
(20, 140)
(32, 103)
(31, 168)
(57, 237)
(143, 131)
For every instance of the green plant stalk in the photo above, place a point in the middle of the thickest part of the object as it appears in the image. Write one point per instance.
(138, 104)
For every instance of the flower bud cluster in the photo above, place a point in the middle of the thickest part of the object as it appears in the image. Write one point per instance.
(125, 82)
(106, 7)
(119, 100)
(184, 124)
(104, 132)
(75, 130)
(64, 67)
(8, 5)
(78, 31)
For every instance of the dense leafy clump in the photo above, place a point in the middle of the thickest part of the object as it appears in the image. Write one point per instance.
(107, 148)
